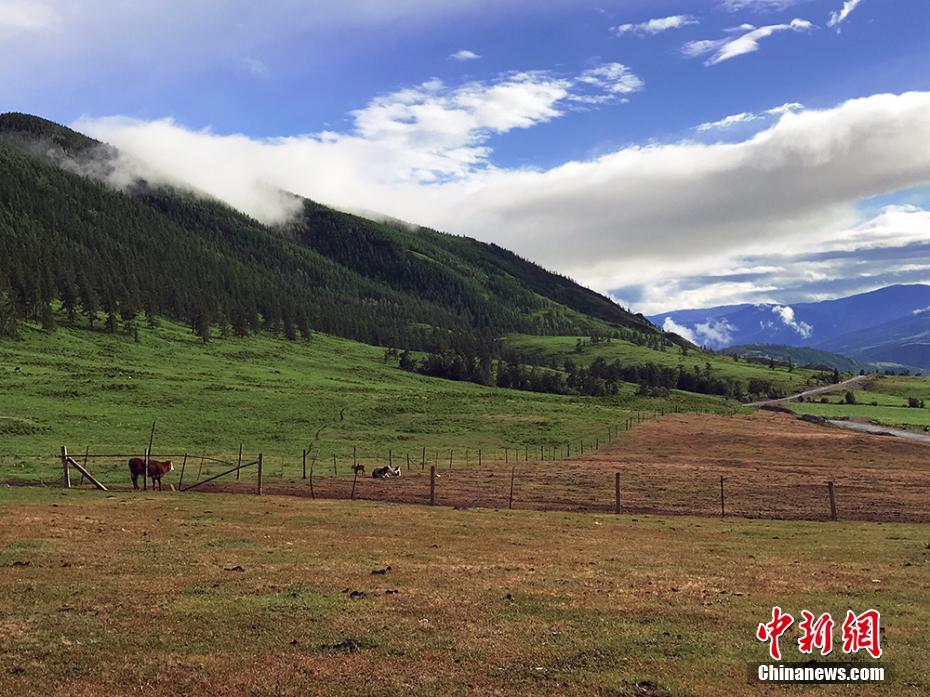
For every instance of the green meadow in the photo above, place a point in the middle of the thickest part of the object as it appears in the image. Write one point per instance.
(88, 389)
(885, 401)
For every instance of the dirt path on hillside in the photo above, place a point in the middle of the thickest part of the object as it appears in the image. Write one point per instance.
(852, 382)
(774, 466)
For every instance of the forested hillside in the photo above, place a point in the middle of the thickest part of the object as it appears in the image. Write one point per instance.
(116, 258)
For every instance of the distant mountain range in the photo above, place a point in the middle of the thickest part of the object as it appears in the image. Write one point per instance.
(800, 356)
(887, 326)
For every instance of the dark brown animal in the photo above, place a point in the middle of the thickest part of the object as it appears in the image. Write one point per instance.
(156, 470)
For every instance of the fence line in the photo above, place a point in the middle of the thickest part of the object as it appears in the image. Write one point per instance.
(541, 488)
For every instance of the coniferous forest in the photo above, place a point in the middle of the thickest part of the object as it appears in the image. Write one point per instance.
(73, 249)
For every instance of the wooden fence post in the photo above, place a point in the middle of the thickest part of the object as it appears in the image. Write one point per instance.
(354, 480)
(390, 458)
(239, 462)
(86, 473)
(181, 479)
(506, 456)
(832, 491)
(526, 453)
(513, 472)
(479, 457)
(312, 493)
(64, 465)
(145, 471)
(723, 509)
(432, 485)
(354, 457)
(260, 463)
(618, 509)
(423, 460)
(86, 455)
(335, 472)
(305, 463)
(148, 454)
(199, 468)
(408, 461)
(450, 458)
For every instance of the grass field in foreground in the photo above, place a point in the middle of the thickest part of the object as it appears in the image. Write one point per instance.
(560, 348)
(216, 595)
(884, 401)
(81, 388)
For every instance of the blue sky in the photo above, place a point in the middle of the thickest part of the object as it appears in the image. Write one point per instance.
(671, 153)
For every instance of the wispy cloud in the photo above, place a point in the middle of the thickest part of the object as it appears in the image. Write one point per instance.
(671, 326)
(657, 26)
(759, 5)
(888, 249)
(432, 133)
(742, 40)
(712, 334)
(748, 116)
(728, 121)
(841, 15)
(786, 315)
(255, 66)
(26, 15)
(464, 55)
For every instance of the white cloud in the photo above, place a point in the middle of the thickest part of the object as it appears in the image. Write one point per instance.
(786, 108)
(612, 78)
(840, 16)
(729, 121)
(26, 15)
(890, 248)
(464, 55)
(422, 135)
(255, 66)
(748, 117)
(670, 325)
(657, 26)
(786, 314)
(715, 333)
(747, 41)
(640, 215)
(758, 5)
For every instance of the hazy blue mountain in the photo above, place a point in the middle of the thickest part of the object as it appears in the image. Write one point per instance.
(905, 340)
(816, 325)
(799, 355)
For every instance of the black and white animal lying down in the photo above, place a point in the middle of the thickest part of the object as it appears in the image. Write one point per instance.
(385, 472)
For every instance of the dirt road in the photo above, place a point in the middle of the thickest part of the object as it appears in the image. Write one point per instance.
(852, 382)
(879, 430)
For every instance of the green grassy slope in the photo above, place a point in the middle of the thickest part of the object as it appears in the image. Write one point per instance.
(345, 275)
(799, 355)
(885, 401)
(78, 387)
(548, 349)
